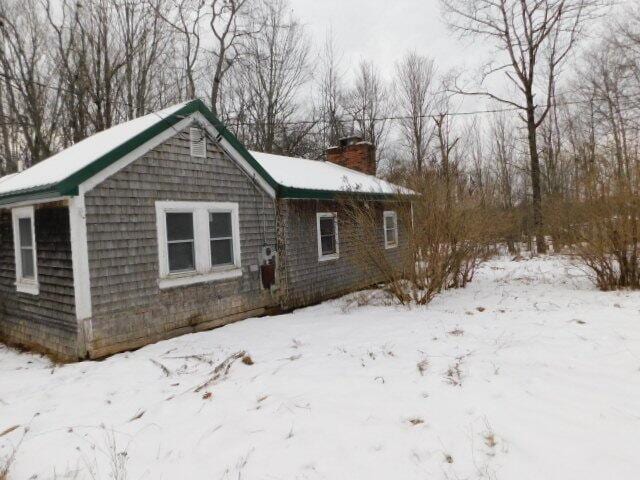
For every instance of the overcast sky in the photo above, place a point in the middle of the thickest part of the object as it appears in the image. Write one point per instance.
(383, 30)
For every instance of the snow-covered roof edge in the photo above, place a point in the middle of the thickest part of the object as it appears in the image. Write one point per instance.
(70, 185)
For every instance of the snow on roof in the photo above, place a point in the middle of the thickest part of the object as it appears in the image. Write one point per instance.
(7, 177)
(69, 161)
(289, 172)
(320, 175)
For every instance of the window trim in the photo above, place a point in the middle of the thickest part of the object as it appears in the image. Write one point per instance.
(25, 285)
(204, 271)
(390, 214)
(332, 256)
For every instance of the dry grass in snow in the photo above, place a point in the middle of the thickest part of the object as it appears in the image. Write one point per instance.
(528, 373)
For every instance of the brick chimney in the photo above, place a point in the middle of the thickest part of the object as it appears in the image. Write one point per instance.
(355, 154)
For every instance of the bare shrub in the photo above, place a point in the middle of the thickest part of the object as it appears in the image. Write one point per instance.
(445, 233)
(113, 453)
(602, 230)
(453, 375)
(5, 465)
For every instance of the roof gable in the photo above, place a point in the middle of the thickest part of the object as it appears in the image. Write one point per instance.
(63, 173)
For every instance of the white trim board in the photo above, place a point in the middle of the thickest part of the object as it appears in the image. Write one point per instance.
(390, 214)
(331, 256)
(25, 285)
(80, 257)
(132, 156)
(204, 271)
(235, 155)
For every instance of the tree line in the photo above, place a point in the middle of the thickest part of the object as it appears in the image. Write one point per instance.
(562, 132)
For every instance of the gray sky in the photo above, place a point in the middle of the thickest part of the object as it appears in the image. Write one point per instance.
(383, 30)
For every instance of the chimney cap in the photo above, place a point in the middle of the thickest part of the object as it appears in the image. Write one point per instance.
(350, 140)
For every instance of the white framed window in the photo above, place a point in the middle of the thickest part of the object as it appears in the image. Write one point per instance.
(328, 240)
(197, 242)
(390, 229)
(24, 241)
(198, 142)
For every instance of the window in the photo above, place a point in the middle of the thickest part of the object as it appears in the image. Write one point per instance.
(24, 240)
(180, 242)
(328, 247)
(197, 242)
(390, 229)
(198, 142)
(221, 238)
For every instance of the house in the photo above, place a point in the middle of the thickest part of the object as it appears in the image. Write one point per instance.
(166, 224)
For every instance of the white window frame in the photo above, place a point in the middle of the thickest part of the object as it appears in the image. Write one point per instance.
(25, 285)
(200, 143)
(332, 256)
(390, 214)
(204, 271)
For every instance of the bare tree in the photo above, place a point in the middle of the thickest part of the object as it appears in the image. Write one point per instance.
(185, 17)
(145, 41)
(29, 75)
(536, 38)
(367, 103)
(275, 67)
(230, 25)
(331, 91)
(414, 102)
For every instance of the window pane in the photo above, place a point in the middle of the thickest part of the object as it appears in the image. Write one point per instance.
(179, 226)
(27, 262)
(391, 236)
(326, 226)
(25, 232)
(220, 224)
(391, 222)
(328, 245)
(181, 256)
(221, 252)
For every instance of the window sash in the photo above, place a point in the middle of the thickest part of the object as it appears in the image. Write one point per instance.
(327, 232)
(175, 263)
(192, 262)
(25, 250)
(390, 229)
(26, 263)
(208, 258)
(221, 239)
(215, 262)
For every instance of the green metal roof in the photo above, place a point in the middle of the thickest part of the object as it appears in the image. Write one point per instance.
(69, 185)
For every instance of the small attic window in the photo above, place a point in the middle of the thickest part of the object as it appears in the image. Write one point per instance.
(198, 141)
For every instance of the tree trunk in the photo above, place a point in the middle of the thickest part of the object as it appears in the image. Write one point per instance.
(538, 226)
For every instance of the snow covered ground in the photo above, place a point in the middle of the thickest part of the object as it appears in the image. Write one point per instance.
(529, 373)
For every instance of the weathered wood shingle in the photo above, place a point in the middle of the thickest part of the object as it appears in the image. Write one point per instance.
(307, 280)
(129, 309)
(46, 321)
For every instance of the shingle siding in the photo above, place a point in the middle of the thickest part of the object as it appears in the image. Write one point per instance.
(46, 321)
(307, 280)
(129, 309)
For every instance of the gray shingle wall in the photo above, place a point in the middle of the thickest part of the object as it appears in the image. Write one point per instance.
(46, 321)
(306, 279)
(129, 309)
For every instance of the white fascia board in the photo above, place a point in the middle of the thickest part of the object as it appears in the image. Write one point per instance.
(112, 169)
(235, 155)
(130, 157)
